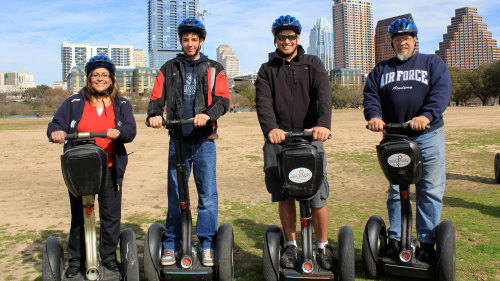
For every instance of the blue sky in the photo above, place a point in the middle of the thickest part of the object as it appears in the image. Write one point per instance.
(32, 31)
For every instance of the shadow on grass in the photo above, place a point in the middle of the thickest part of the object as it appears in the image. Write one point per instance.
(459, 202)
(450, 176)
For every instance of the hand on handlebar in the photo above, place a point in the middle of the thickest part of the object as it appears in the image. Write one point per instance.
(200, 120)
(156, 122)
(112, 134)
(319, 133)
(276, 135)
(419, 123)
(375, 124)
(58, 136)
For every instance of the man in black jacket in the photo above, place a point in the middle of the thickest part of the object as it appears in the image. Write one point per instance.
(293, 94)
(191, 86)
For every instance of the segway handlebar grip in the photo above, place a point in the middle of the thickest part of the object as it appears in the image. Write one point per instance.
(303, 134)
(404, 126)
(83, 135)
(173, 122)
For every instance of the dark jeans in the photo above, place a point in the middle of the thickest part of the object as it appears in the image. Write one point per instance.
(110, 203)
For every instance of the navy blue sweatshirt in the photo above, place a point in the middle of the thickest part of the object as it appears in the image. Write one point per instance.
(397, 91)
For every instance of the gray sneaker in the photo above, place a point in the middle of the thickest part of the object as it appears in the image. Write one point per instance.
(208, 257)
(168, 258)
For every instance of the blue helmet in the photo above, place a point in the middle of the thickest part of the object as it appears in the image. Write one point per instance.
(192, 25)
(402, 27)
(100, 61)
(286, 23)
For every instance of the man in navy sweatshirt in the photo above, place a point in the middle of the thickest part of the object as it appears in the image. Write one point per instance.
(413, 88)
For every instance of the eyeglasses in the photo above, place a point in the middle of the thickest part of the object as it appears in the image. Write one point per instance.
(282, 37)
(102, 75)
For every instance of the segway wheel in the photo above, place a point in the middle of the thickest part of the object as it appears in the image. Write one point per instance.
(345, 266)
(374, 242)
(152, 252)
(445, 247)
(497, 167)
(273, 245)
(52, 260)
(224, 253)
(128, 252)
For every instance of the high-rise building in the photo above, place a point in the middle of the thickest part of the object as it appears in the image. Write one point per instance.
(467, 42)
(74, 55)
(383, 46)
(228, 59)
(140, 58)
(353, 34)
(164, 17)
(321, 42)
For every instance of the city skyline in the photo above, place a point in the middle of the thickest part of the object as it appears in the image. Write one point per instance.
(32, 31)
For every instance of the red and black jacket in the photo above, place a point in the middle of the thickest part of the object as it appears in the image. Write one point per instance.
(212, 93)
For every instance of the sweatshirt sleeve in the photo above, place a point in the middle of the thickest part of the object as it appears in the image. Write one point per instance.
(61, 119)
(321, 85)
(371, 99)
(158, 96)
(127, 127)
(264, 103)
(439, 94)
(220, 95)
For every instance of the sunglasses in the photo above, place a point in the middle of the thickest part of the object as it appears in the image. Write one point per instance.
(282, 37)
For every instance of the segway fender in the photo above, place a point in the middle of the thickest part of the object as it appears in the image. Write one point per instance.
(54, 254)
(373, 228)
(154, 235)
(128, 250)
(273, 240)
(497, 168)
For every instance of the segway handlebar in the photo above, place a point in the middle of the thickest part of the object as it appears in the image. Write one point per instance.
(303, 134)
(83, 135)
(173, 122)
(404, 126)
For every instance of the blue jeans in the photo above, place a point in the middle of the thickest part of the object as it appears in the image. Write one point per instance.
(429, 190)
(202, 156)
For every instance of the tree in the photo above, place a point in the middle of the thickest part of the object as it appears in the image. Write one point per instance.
(462, 81)
(36, 96)
(346, 96)
(489, 77)
(248, 91)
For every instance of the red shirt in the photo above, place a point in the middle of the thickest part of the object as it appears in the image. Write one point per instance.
(93, 122)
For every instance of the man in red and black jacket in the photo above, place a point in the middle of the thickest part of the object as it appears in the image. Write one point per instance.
(191, 86)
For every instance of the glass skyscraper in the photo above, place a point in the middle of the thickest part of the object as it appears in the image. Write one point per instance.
(164, 17)
(321, 42)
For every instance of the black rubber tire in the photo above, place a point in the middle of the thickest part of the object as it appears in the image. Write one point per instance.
(224, 253)
(151, 267)
(128, 252)
(270, 271)
(345, 264)
(497, 167)
(370, 263)
(445, 248)
(52, 260)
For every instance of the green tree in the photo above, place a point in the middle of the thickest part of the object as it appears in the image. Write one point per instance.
(462, 81)
(343, 96)
(36, 96)
(246, 90)
(489, 79)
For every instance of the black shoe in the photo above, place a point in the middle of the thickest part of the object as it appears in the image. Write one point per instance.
(426, 252)
(112, 265)
(326, 257)
(289, 257)
(392, 250)
(72, 271)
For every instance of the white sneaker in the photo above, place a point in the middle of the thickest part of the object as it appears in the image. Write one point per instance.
(208, 257)
(168, 258)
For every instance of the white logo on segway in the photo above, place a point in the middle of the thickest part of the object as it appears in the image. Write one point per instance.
(300, 175)
(399, 160)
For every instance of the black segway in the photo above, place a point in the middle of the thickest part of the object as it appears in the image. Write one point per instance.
(401, 160)
(497, 167)
(301, 171)
(188, 265)
(85, 172)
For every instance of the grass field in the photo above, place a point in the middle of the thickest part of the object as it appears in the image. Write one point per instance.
(357, 191)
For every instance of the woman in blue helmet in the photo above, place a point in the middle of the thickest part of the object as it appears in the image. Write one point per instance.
(97, 107)
(413, 88)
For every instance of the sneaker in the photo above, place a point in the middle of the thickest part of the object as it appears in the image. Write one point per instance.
(72, 271)
(392, 250)
(112, 265)
(208, 257)
(326, 257)
(289, 257)
(168, 258)
(426, 253)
